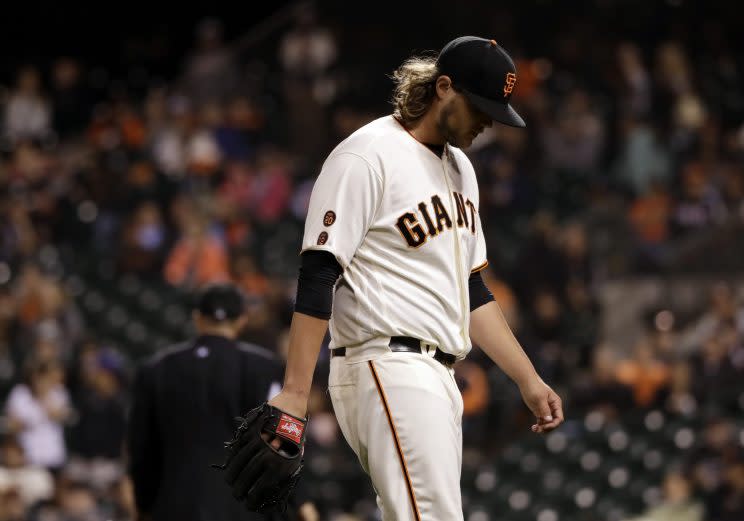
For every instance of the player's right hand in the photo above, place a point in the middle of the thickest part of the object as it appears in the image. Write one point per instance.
(544, 403)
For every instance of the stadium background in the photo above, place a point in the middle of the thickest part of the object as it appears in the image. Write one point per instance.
(145, 153)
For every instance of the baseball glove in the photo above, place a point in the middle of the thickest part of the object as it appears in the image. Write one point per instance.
(261, 476)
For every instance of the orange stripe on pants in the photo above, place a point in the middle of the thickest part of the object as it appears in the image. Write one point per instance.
(401, 457)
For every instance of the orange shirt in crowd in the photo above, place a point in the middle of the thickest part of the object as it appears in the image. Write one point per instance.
(645, 379)
(649, 216)
(197, 261)
(255, 284)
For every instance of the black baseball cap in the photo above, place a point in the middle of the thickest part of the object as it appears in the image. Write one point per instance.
(484, 72)
(220, 302)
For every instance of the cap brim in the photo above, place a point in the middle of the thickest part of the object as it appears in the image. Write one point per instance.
(501, 112)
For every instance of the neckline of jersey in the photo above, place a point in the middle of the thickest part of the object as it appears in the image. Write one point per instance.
(444, 149)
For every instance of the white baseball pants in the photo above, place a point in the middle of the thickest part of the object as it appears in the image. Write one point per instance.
(402, 415)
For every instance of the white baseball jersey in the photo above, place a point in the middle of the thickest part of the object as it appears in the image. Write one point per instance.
(404, 225)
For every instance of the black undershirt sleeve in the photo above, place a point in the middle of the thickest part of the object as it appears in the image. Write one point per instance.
(479, 293)
(320, 271)
(318, 274)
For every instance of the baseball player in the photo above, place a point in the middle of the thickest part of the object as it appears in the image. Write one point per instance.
(392, 254)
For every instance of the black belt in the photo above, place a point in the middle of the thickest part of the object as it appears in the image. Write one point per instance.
(407, 344)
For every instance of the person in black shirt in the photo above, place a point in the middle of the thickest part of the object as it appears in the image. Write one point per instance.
(185, 400)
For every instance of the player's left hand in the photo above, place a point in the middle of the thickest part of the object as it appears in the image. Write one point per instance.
(544, 403)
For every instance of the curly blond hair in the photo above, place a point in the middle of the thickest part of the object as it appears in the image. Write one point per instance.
(415, 86)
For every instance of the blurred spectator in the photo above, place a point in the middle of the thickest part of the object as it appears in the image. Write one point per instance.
(663, 339)
(7, 368)
(18, 238)
(642, 161)
(45, 350)
(509, 192)
(182, 210)
(37, 410)
(689, 118)
(644, 373)
(700, 204)
(681, 399)
(240, 232)
(650, 217)
(718, 370)
(12, 507)
(123, 508)
(84, 366)
(32, 483)
(473, 383)
(236, 190)
(102, 131)
(211, 73)
(723, 311)
(241, 130)
(539, 265)
(271, 185)
(27, 115)
(308, 49)
(263, 191)
(78, 503)
(679, 503)
(544, 332)
(197, 258)
(248, 277)
(575, 141)
(582, 331)
(171, 121)
(143, 243)
(69, 98)
(203, 156)
(10, 356)
(98, 432)
(306, 53)
(716, 453)
(731, 507)
(601, 390)
(130, 125)
(142, 184)
(45, 313)
(75, 501)
(575, 252)
(635, 81)
(672, 77)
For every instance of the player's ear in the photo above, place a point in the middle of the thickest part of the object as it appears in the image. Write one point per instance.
(444, 87)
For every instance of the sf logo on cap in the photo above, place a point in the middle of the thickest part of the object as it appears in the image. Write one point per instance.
(511, 79)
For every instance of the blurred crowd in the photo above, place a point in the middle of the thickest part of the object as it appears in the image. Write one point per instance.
(632, 162)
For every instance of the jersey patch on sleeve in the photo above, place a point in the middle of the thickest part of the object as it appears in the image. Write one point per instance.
(322, 238)
(329, 218)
